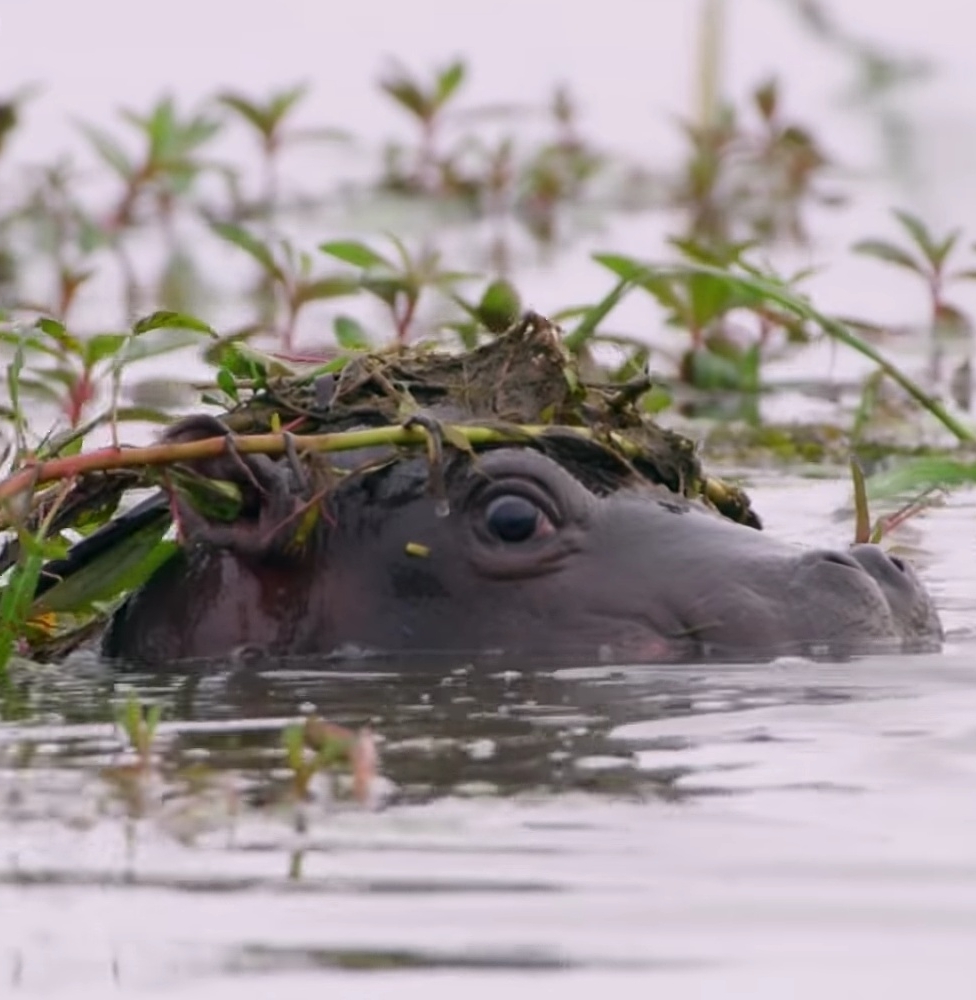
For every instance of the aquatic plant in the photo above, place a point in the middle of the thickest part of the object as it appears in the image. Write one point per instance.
(316, 746)
(139, 723)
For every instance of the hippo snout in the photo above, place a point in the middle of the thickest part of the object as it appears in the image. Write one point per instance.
(911, 604)
(865, 591)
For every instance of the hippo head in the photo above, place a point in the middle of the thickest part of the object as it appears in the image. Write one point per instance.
(518, 551)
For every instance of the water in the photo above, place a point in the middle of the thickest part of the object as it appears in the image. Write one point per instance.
(789, 828)
(717, 830)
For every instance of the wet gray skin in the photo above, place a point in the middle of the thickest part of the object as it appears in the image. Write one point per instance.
(528, 560)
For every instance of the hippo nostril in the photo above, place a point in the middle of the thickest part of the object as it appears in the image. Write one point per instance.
(841, 559)
(825, 561)
(881, 565)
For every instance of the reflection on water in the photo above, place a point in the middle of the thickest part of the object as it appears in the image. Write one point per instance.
(655, 820)
(501, 731)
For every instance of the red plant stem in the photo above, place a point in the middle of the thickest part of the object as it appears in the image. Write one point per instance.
(32, 475)
(403, 321)
(106, 459)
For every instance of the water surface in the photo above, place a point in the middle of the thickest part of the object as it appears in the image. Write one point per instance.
(776, 829)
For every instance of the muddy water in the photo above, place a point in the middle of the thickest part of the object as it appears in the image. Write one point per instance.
(788, 828)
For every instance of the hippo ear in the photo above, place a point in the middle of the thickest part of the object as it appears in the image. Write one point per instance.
(249, 504)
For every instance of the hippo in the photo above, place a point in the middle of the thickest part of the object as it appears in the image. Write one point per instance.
(538, 551)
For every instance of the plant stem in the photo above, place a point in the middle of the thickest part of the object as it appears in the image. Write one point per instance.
(772, 291)
(106, 459)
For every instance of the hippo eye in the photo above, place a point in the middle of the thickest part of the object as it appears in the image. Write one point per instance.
(514, 518)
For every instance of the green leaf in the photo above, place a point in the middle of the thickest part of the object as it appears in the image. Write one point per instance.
(349, 334)
(116, 571)
(917, 474)
(62, 376)
(638, 275)
(331, 367)
(250, 245)
(656, 400)
(281, 103)
(218, 399)
(943, 249)
(145, 414)
(499, 307)
(293, 739)
(355, 253)
(153, 714)
(166, 320)
(920, 234)
(445, 279)
(708, 369)
(325, 288)
(867, 404)
(387, 289)
(709, 297)
(156, 342)
(226, 381)
(448, 82)
(408, 95)
(257, 116)
(161, 127)
(723, 256)
(244, 361)
(101, 345)
(595, 314)
(624, 267)
(883, 250)
(129, 718)
(52, 327)
(16, 595)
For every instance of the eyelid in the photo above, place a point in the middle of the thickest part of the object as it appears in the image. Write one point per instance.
(523, 487)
